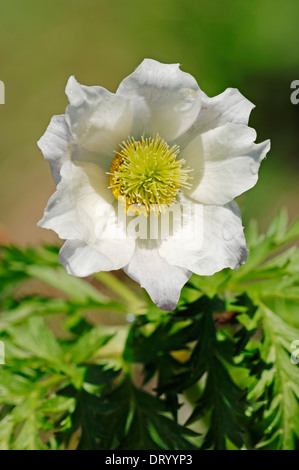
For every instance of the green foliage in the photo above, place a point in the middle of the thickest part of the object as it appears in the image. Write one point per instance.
(215, 374)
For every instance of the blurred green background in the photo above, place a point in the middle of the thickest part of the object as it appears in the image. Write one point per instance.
(251, 45)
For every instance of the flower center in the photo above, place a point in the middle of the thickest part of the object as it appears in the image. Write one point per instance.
(147, 175)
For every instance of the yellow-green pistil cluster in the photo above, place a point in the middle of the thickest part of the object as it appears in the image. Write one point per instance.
(147, 175)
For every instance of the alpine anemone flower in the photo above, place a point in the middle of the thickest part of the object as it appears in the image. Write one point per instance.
(124, 162)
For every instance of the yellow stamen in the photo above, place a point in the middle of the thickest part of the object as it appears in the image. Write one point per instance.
(146, 174)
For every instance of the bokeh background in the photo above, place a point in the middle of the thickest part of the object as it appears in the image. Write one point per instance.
(251, 45)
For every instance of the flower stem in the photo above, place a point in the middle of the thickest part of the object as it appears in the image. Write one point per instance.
(136, 303)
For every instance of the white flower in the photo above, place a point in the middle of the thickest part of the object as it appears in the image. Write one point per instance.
(158, 140)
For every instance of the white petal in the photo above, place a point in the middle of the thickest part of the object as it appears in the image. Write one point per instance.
(55, 144)
(82, 204)
(99, 120)
(82, 260)
(221, 245)
(80, 154)
(229, 106)
(162, 281)
(164, 99)
(225, 161)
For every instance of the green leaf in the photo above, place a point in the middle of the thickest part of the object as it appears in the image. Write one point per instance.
(278, 386)
(38, 340)
(88, 344)
(58, 404)
(28, 436)
(138, 423)
(6, 432)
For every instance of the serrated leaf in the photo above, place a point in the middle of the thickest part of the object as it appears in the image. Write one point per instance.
(57, 404)
(88, 344)
(38, 339)
(28, 436)
(282, 380)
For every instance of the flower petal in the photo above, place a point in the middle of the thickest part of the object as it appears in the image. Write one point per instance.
(55, 144)
(220, 245)
(164, 99)
(82, 260)
(99, 120)
(162, 281)
(225, 161)
(82, 204)
(229, 106)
